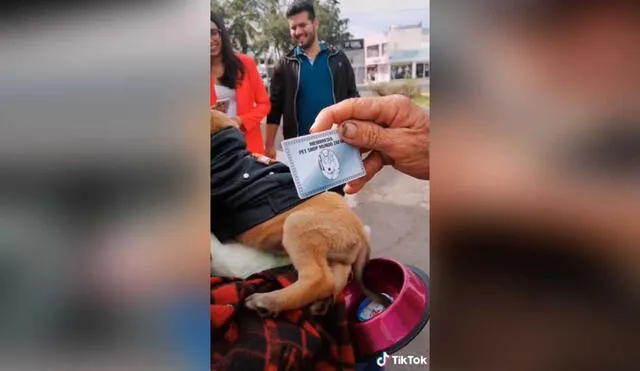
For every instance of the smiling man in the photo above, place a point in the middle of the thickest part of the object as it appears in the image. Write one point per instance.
(310, 77)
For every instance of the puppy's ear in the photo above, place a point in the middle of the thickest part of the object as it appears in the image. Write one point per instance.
(219, 121)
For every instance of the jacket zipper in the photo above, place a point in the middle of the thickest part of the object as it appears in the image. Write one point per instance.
(295, 102)
(333, 88)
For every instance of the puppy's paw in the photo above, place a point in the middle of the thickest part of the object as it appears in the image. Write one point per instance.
(265, 304)
(321, 307)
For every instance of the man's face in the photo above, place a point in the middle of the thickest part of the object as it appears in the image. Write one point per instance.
(215, 41)
(303, 30)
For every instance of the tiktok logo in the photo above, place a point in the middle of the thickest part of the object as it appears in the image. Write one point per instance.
(402, 360)
(382, 360)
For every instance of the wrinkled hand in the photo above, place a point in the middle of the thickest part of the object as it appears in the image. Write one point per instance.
(392, 129)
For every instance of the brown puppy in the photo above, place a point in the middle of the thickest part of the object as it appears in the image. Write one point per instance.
(219, 121)
(325, 241)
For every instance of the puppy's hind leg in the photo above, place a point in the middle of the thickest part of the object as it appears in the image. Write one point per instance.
(307, 249)
(341, 274)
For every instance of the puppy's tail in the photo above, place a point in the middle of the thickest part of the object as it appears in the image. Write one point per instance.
(364, 253)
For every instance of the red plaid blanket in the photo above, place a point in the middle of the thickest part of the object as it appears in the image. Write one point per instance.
(243, 341)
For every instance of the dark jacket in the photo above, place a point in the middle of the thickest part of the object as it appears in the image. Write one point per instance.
(284, 88)
(246, 189)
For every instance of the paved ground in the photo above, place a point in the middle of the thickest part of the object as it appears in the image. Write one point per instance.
(396, 207)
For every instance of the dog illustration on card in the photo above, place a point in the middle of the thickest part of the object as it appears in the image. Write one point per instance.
(329, 164)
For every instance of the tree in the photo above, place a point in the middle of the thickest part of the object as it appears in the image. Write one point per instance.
(260, 26)
(242, 19)
(274, 39)
(333, 30)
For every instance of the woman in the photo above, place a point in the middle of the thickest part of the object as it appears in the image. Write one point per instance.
(235, 79)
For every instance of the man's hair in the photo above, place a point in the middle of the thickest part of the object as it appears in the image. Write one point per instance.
(301, 6)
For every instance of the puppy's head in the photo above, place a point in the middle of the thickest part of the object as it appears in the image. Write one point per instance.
(220, 121)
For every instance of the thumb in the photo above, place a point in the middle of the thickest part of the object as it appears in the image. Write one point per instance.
(365, 134)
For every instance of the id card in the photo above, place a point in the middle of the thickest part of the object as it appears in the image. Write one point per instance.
(321, 161)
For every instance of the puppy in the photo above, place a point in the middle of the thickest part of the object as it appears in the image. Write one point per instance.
(254, 201)
(219, 121)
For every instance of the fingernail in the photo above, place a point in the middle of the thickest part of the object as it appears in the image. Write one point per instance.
(349, 130)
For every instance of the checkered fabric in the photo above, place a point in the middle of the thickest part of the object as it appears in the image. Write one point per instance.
(243, 341)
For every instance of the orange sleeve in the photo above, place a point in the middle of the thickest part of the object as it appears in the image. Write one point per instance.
(252, 118)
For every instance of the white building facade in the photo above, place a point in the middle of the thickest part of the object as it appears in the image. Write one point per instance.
(399, 53)
(354, 49)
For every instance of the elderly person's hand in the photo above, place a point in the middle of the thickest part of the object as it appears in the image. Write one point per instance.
(393, 128)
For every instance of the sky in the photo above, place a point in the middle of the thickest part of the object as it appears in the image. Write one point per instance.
(374, 16)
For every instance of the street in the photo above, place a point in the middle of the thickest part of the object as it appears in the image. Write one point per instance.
(396, 207)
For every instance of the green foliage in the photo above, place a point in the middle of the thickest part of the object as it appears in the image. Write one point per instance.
(422, 100)
(274, 35)
(242, 18)
(332, 29)
(260, 26)
(408, 88)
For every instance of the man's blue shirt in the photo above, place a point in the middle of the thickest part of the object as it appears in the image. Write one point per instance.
(315, 90)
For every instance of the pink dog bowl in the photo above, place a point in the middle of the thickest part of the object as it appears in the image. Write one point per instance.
(376, 330)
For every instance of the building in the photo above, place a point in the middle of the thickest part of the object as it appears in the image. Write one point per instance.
(377, 57)
(402, 52)
(354, 49)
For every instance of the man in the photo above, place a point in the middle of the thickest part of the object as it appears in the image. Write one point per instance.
(309, 78)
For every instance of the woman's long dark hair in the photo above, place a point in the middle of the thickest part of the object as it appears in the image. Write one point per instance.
(233, 67)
